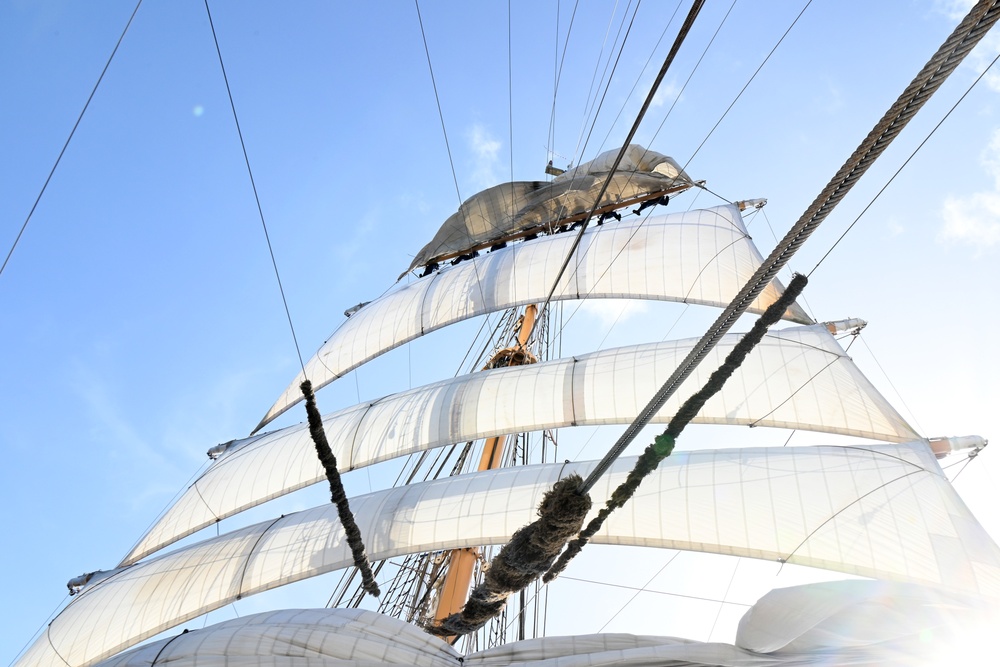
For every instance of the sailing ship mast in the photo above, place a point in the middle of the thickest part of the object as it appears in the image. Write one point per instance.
(431, 586)
(352, 301)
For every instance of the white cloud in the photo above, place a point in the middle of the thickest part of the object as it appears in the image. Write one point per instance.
(982, 56)
(667, 92)
(975, 219)
(984, 52)
(833, 101)
(486, 151)
(612, 312)
(954, 9)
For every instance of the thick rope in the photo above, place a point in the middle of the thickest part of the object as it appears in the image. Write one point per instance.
(663, 444)
(533, 549)
(965, 36)
(530, 552)
(337, 494)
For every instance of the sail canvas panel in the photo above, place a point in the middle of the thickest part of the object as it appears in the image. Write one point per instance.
(703, 256)
(840, 622)
(798, 378)
(871, 511)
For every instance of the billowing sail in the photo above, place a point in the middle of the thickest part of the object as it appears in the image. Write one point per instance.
(840, 622)
(504, 210)
(702, 256)
(838, 508)
(799, 378)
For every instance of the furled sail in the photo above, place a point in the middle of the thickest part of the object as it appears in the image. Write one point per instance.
(884, 511)
(799, 378)
(702, 256)
(504, 210)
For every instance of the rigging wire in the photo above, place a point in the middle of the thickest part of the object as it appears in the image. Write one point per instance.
(691, 75)
(968, 460)
(747, 84)
(638, 590)
(635, 85)
(590, 114)
(907, 161)
(805, 302)
(437, 100)
(193, 479)
(685, 28)
(338, 495)
(558, 74)
(633, 588)
(723, 601)
(735, 99)
(954, 49)
(55, 612)
(857, 500)
(72, 132)
(604, 95)
(705, 51)
(597, 65)
(444, 131)
(253, 185)
(913, 415)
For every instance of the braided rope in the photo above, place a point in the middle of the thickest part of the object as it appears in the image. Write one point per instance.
(337, 494)
(663, 444)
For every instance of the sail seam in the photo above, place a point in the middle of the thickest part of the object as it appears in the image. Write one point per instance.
(797, 390)
(357, 429)
(572, 390)
(205, 502)
(246, 563)
(845, 508)
(48, 637)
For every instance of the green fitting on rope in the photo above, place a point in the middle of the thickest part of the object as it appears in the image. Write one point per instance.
(664, 444)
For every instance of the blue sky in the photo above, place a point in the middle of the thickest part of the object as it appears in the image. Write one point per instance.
(141, 323)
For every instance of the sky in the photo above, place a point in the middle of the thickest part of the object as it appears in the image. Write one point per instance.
(141, 320)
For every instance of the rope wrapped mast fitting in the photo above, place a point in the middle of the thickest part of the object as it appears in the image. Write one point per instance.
(530, 552)
(337, 494)
(534, 549)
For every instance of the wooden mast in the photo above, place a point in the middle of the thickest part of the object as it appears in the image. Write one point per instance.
(455, 590)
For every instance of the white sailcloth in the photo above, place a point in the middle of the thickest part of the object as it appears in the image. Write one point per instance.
(798, 378)
(841, 622)
(883, 511)
(703, 256)
(508, 208)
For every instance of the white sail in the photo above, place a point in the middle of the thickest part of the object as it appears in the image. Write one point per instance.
(838, 508)
(842, 622)
(798, 378)
(702, 256)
